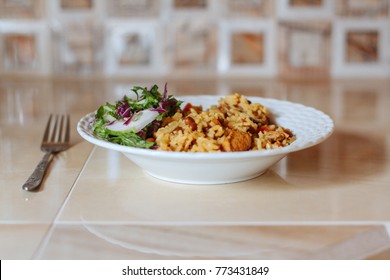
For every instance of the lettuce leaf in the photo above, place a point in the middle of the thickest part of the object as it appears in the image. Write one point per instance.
(126, 108)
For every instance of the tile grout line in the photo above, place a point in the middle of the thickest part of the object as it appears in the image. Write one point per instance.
(42, 245)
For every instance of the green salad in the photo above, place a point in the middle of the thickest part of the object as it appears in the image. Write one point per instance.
(132, 121)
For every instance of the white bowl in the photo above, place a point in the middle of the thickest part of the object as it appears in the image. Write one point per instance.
(310, 126)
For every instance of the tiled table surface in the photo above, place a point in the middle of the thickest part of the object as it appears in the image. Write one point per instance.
(327, 202)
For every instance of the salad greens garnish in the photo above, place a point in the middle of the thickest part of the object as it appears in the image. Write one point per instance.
(132, 121)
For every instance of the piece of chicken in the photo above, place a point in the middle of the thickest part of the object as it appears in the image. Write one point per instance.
(237, 141)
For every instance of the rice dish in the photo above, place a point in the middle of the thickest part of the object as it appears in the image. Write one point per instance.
(234, 124)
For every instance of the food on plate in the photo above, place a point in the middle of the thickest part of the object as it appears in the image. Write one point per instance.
(133, 120)
(234, 124)
(149, 119)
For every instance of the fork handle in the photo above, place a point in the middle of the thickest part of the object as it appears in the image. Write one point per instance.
(35, 179)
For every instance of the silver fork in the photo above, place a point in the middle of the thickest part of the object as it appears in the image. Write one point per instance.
(55, 140)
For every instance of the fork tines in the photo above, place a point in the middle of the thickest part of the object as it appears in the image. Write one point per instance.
(57, 129)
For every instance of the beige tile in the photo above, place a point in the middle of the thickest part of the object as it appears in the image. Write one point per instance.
(247, 48)
(373, 9)
(88, 241)
(362, 46)
(247, 9)
(381, 255)
(21, 241)
(113, 189)
(22, 10)
(71, 4)
(25, 106)
(18, 162)
(304, 49)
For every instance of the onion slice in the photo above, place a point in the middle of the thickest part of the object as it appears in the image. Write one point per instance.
(137, 123)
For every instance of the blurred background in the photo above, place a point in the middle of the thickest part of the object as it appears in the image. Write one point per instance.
(291, 39)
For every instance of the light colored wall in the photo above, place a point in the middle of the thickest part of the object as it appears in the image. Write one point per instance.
(260, 38)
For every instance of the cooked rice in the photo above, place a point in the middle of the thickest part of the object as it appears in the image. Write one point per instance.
(235, 124)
